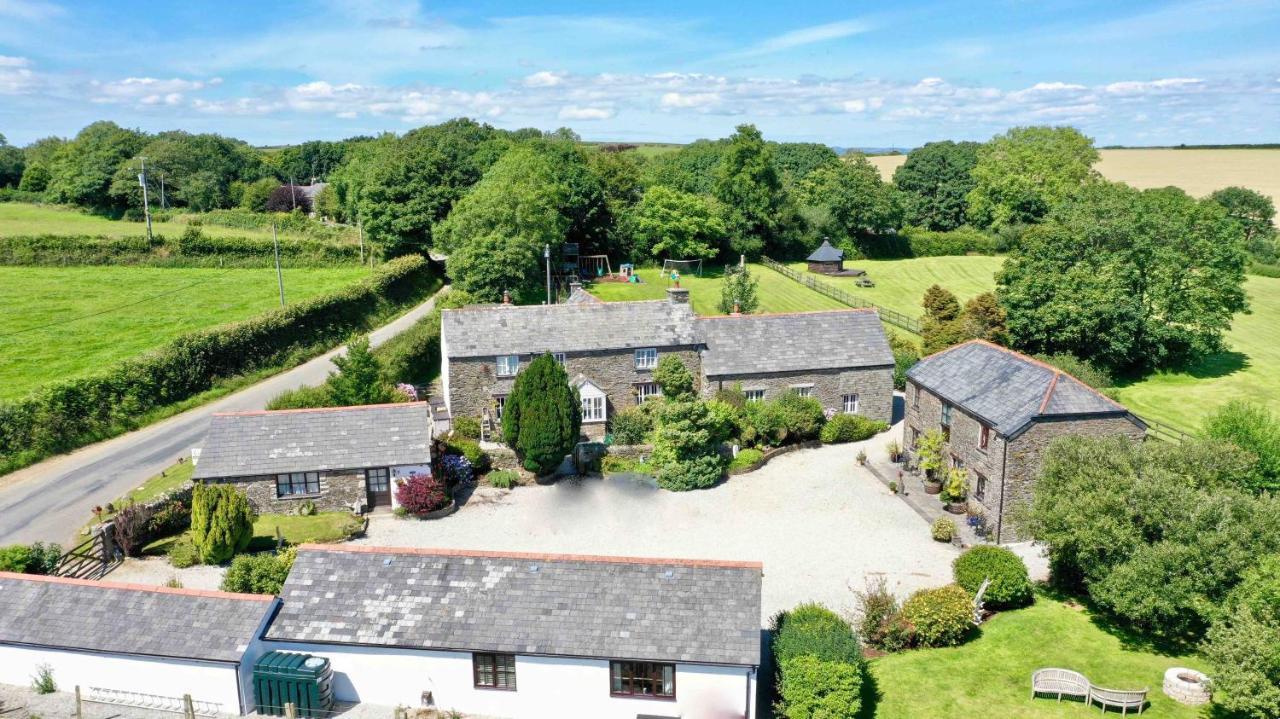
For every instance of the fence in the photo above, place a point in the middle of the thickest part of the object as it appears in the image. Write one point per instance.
(893, 317)
(1165, 433)
(91, 559)
(184, 704)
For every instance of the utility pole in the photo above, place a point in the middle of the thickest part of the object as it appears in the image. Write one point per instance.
(275, 240)
(146, 207)
(360, 231)
(546, 256)
(293, 192)
(163, 206)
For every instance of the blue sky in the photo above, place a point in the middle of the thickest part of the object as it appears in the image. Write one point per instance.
(844, 73)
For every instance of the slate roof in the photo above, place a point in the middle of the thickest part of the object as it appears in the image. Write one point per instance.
(128, 619)
(560, 605)
(1007, 389)
(241, 444)
(494, 330)
(826, 253)
(750, 344)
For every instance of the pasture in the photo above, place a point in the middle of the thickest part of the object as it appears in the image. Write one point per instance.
(65, 322)
(21, 218)
(900, 284)
(1198, 172)
(777, 293)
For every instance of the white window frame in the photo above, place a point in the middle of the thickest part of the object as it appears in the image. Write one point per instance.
(508, 365)
(499, 405)
(558, 357)
(593, 409)
(754, 395)
(646, 358)
(845, 404)
(647, 390)
(804, 390)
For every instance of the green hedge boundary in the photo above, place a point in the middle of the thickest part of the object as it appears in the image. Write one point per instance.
(65, 415)
(161, 251)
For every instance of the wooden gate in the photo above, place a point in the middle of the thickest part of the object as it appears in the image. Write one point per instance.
(91, 559)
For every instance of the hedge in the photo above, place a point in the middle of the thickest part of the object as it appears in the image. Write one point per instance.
(192, 249)
(917, 242)
(62, 416)
(813, 630)
(812, 688)
(939, 617)
(1010, 585)
(850, 428)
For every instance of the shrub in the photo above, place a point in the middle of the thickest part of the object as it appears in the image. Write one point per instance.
(307, 397)
(43, 682)
(747, 457)
(631, 426)
(543, 416)
(421, 494)
(673, 377)
(1253, 428)
(171, 517)
(880, 621)
(803, 416)
(939, 617)
(943, 529)
(685, 447)
(478, 458)
(38, 558)
(504, 479)
(695, 473)
(1243, 647)
(456, 469)
(812, 688)
(129, 529)
(850, 428)
(1259, 590)
(221, 522)
(1010, 586)
(468, 427)
(183, 554)
(259, 573)
(905, 356)
(813, 630)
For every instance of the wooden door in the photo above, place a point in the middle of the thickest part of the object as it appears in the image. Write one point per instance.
(378, 484)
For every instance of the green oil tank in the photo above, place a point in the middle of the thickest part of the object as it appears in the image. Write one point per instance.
(303, 680)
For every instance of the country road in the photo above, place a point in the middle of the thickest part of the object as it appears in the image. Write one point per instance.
(51, 500)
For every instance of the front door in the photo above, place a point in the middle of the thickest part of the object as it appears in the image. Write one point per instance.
(378, 482)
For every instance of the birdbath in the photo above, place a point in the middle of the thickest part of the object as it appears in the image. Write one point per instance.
(1187, 686)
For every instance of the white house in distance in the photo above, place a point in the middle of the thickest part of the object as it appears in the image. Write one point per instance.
(131, 638)
(528, 635)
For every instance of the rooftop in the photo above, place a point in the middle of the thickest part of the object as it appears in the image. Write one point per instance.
(542, 604)
(838, 339)
(266, 442)
(826, 253)
(128, 619)
(1007, 389)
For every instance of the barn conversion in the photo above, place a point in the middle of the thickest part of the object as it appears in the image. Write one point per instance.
(130, 638)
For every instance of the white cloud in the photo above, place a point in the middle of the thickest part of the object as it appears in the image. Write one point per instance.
(689, 100)
(1133, 87)
(10, 61)
(543, 79)
(16, 76)
(573, 112)
(809, 36)
(143, 90)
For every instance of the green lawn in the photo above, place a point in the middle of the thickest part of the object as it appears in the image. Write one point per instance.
(990, 676)
(325, 527)
(777, 293)
(900, 284)
(105, 314)
(23, 218)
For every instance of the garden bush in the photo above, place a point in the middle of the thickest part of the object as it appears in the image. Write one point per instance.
(478, 458)
(182, 553)
(880, 622)
(468, 427)
(631, 426)
(456, 469)
(421, 494)
(259, 573)
(850, 428)
(38, 558)
(1010, 585)
(694, 473)
(1259, 590)
(686, 448)
(943, 529)
(813, 630)
(1244, 648)
(787, 420)
(504, 479)
(674, 378)
(747, 457)
(221, 522)
(939, 617)
(813, 688)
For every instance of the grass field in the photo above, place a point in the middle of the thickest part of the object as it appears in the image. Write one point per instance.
(777, 293)
(21, 218)
(990, 676)
(105, 314)
(1199, 172)
(900, 284)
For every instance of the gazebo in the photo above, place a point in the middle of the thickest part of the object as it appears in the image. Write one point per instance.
(826, 260)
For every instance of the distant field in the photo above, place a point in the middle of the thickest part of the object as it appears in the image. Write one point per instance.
(777, 293)
(21, 218)
(161, 304)
(1199, 172)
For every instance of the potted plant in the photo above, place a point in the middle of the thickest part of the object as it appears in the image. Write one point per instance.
(894, 449)
(862, 457)
(929, 450)
(956, 490)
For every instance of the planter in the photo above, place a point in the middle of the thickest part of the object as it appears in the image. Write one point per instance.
(957, 507)
(444, 511)
(932, 487)
(1187, 686)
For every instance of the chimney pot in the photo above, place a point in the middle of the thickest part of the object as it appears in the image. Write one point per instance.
(678, 295)
(574, 287)
(737, 309)
(506, 297)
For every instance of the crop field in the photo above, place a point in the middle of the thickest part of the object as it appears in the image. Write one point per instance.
(64, 322)
(21, 218)
(777, 293)
(1199, 172)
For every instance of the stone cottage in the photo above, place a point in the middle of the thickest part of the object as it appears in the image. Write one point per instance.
(999, 410)
(336, 457)
(609, 350)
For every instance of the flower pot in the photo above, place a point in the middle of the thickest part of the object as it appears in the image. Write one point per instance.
(932, 487)
(957, 507)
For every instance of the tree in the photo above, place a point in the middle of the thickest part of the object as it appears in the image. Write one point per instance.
(82, 169)
(1126, 279)
(1253, 210)
(1256, 430)
(936, 180)
(359, 377)
(221, 522)
(984, 319)
(288, 198)
(859, 202)
(670, 224)
(693, 168)
(1244, 648)
(674, 378)
(739, 290)
(542, 415)
(686, 446)
(256, 194)
(940, 304)
(12, 164)
(198, 171)
(747, 184)
(39, 157)
(1023, 174)
(795, 161)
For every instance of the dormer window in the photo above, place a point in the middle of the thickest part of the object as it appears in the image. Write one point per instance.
(646, 358)
(508, 365)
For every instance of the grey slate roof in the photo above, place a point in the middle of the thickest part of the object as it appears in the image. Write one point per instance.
(125, 619)
(251, 443)
(494, 330)
(599, 607)
(1007, 389)
(826, 253)
(750, 344)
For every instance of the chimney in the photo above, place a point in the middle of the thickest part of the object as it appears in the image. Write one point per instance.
(678, 295)
(574, 288)
(506, 297)
(737, 309)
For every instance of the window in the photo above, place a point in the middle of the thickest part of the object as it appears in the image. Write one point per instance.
(804, 390)
(494, 671)
(499, 404)
(915, 437)
(956, 462)
(915, 397)
(646, 358)
(980, 489)
(508, 365)
(946, 414)
(984, 437)
(642, 679)
(378, 479)
(849, 403)
(295, 483)
(593, 409)
(558, 356)
(754, 395)
(645, 390)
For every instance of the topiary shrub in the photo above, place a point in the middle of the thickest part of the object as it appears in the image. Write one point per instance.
(631, 426)
(813, 688)
(542, 416)
(850, 428)
(259, 573)
(1010, 585)
(673, 377)
(944, 530)
(421, 494)
(939, 617)
(221, 522)
(813, 630)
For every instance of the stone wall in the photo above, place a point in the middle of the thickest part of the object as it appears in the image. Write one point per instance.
(339, 490)
(874, 387)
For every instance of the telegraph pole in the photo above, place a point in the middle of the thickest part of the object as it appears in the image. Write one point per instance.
(146, 208)
(275, 240)
(293, 192)
(546, 256)
(360, 231)
(163, 206)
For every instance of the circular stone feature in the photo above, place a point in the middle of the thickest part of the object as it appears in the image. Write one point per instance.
(1187, 686)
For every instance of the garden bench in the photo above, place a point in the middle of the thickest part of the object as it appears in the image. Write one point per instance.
(1122, 699)
(1062, 682)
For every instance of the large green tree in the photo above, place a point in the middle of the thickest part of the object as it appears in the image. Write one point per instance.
(739, 290)
(1126, 279)
(82, 169)
(359, 377)
(670, 224)
(859, 202)
(198, 171)
(39, 161)
(12, 163)
(542, 416)
(1255, 429)
(747, 184)
(1023, 174)
(1256, 214)
(936, 181)
(797, 160)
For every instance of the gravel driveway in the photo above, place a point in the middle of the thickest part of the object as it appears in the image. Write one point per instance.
(820, 524)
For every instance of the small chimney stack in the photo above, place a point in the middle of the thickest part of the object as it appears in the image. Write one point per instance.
(678, 295)
(737, 309)
(506, 297)
(575, 287)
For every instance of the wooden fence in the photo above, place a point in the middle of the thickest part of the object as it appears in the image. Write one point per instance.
(1165, 432)
(893, 317)
(91, 559)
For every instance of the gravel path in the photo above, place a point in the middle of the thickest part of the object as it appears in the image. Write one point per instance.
(158, 571)
(820, 524)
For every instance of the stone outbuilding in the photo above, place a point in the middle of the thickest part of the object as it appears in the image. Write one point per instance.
(336, 457)
(826, 260)
(999, 410)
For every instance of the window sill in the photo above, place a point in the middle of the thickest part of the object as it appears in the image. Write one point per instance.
(647, 697)
(288, 497)
(481, 687)
(594, 421)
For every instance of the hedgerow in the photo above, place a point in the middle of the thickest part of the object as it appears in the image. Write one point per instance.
(191, 249)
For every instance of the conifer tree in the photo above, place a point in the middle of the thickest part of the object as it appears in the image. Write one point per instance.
(542, 416)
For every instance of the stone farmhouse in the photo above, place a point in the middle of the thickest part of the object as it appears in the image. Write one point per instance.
(335, 457)
(999, 410)
(610, 349)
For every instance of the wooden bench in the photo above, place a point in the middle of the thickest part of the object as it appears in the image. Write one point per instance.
(1062, 682)
(1122, 699)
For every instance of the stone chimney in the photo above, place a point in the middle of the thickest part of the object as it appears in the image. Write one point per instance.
(678, 295)
(506, 297)
(575, 287)
(737, 309)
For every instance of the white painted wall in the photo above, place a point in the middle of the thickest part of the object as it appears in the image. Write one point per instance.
(546, 686)
(444, 369)
(204, 681)
(402, 472)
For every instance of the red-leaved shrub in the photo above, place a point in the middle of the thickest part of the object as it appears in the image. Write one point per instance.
(421, 493)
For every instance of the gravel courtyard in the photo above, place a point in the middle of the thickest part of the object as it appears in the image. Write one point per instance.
(820, 524)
